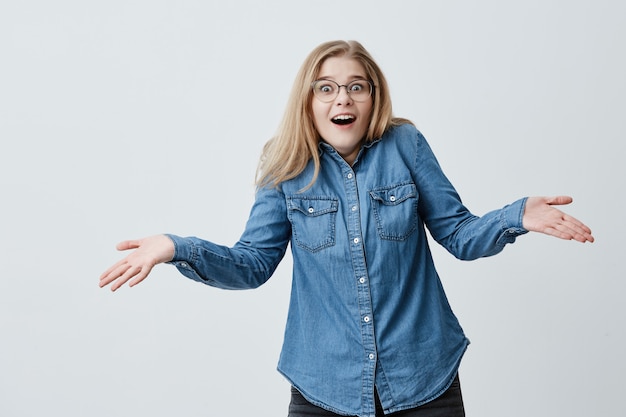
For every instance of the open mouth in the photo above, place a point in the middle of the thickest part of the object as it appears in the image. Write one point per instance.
(343, 119)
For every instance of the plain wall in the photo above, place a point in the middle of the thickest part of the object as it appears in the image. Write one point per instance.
(121, 119)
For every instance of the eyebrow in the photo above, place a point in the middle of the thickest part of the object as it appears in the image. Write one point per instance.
(351, 78)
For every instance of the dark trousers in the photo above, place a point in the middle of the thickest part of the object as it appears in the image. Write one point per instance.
(449, 404)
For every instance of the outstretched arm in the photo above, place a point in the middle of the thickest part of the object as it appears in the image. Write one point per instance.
(137, 265)
(540, 215)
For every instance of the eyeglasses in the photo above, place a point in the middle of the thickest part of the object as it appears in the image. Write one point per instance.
(328, 90)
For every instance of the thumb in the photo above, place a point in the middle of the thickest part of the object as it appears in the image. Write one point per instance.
(128, 244)
(559, 200)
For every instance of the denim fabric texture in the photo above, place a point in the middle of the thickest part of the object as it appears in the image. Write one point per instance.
(367, 307)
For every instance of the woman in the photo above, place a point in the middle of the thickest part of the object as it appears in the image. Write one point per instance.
(369, 329)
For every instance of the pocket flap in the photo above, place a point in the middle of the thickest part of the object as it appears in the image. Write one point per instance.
(312, 206)
(394, 195)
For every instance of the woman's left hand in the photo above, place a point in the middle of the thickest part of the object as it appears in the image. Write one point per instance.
(540, 215)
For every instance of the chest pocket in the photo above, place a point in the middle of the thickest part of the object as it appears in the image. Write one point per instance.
(395, 209)
(313, 221)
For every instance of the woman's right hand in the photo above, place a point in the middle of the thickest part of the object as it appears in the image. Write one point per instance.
(135, 267)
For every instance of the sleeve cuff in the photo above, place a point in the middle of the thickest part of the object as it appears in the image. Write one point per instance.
(511, 221)
(184, 249)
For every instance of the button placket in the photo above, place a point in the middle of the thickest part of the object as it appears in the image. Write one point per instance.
(357, 253)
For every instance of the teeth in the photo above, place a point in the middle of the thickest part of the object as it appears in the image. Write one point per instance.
(343, 117)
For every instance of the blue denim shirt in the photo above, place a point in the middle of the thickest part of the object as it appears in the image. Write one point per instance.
(367, 307)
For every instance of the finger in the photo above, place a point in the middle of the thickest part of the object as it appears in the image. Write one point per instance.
(145, 271)
(117, 269)
(114, 273)
(571, 231)
(130, 272)
(584, 238)
(580, 225)
(578, 229)
(558, 231)
(115, 266)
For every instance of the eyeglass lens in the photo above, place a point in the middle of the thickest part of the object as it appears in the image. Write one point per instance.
(328, 90)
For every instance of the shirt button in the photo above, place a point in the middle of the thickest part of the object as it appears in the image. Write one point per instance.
(354, 208)
(356, 240)
(362, 280)
(184, 265)
(392, 198)
(366, 319)
(311, 210)
(371, 356)
(350, 175)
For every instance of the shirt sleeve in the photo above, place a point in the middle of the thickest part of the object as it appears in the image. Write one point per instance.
(451, 224)
(252, 260)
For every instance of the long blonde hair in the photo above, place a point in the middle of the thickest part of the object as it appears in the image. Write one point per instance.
(287, 154)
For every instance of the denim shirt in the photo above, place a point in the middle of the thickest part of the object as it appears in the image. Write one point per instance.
(367, 307)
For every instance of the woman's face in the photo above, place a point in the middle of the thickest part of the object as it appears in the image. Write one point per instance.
(342, 122)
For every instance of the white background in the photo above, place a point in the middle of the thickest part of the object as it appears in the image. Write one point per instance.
(121, 119)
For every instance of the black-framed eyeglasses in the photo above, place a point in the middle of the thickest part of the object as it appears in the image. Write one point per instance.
(328, 90)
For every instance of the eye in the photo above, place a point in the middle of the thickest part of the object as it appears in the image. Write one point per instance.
(356, 87)
(360, 87)
(325, 87)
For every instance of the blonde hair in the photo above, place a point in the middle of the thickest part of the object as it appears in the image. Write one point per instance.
(287, 154)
